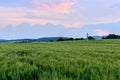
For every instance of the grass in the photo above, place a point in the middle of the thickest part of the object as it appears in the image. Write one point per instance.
(67, 60)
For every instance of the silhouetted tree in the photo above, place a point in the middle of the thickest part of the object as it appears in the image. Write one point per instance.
(71, 38)
(112, 36)
(82, 39)
(79, 38)
(91, 38)
(103, 37)
(60, 39)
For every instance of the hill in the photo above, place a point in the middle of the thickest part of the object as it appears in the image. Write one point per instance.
(45, 39)
(97, 37)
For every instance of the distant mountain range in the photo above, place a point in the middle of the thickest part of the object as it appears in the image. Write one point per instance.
(97, 37)
(46, 39)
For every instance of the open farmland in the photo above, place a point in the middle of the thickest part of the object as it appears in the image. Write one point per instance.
(67, 60)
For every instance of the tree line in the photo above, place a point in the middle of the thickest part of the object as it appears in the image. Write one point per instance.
(110, 36)
(70, 39)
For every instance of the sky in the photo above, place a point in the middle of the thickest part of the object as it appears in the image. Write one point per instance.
(56, 18)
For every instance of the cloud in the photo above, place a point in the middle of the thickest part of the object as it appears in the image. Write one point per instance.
(70, 13)
(10, 16)
(61, 8)
(15, 16)
(102, 32)
(26, 30)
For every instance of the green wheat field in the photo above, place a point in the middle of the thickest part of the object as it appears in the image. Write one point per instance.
(65, 60)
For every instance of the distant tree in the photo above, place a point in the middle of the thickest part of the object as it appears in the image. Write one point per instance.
(71, 38)
(82, 39)
(51, 40)
(103, 37)
(60, 39)
(79, 38)
(112, 36)
(91, 38)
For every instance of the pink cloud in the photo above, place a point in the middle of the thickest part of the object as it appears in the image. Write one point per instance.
(10, 18)
(12, 15)
(102, 32)
(61, 8)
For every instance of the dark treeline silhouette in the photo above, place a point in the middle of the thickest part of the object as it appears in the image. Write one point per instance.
(51, 39)
(111, 36)
(91, 38)
(70, 39)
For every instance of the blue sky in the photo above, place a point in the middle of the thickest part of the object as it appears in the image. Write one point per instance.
(51, 18)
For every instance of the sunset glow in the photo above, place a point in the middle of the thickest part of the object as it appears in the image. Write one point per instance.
(81, 15)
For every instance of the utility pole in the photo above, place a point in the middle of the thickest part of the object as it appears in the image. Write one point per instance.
(87, 36)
